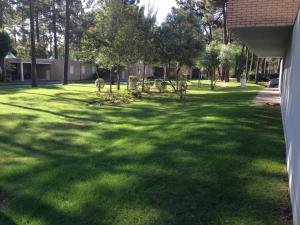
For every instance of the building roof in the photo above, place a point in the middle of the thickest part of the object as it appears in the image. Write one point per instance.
(10, 56)
(264, 25)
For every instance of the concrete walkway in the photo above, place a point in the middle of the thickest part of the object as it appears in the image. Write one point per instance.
(268, 96)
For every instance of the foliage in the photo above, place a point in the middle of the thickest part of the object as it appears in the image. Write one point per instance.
(227, 56)
(9, 69)
(5, 47)
(211, 60)
(100, 84)
(113, 99)
(161, 85)
(5, 43)
(211, 57)
(112, 41)
(132, 83)
(148, 84)
(180, 38)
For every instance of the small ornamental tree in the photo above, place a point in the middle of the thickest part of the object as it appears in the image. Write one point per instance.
(227, 57)
(5, 46)
(112, 42)
(132, 83)
(211, 61)
(186, 39)
(100, 84)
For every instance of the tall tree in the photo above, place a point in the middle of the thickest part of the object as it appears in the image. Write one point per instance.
(33, 53)
(5, 46)
(227, 56)
(67, 39)
(186, 40)
(147, 48)
(113, 41)
(206, 11)
(54, 27)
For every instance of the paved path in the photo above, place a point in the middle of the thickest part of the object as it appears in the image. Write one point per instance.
(268, 96)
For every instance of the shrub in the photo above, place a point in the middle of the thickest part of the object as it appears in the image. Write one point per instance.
(100, 84)
(147, 85)
(9, 69)
(161, 85)
(132, 83)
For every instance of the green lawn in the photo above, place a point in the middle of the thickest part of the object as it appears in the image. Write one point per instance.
(213, 160)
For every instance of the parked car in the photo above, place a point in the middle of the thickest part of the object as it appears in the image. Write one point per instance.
(273, 83)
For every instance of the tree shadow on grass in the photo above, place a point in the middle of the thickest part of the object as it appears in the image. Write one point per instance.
(185, 169)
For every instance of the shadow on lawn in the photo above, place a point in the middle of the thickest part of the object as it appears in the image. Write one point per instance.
(199, 165)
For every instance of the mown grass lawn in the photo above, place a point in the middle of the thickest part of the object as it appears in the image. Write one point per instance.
(213, 160)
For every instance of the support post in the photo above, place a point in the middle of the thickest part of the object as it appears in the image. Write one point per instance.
(22, 71)
(280, 76)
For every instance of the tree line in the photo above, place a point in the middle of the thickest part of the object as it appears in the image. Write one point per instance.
(118, 33)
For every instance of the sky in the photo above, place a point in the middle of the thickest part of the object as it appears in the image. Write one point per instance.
(163, 7)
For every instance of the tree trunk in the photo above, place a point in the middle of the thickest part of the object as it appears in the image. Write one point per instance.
(227, 75)
(225, 31)
(37, 27)
(229, 37)
(257, 70)
(247, 61)
(177, 76)
(251, 65)
(219, 73)
(241, 65)
(67, 33)
(225, 36)
(199, 79)
(118, 78)
(210, 33)
(262, 66)
(110, 81)
(223, 70)
(2, 70)
(15, 35)
(1, 15)
(54, 21)
(144, 74)
(212, 86)
(33, 54)
(265, 66)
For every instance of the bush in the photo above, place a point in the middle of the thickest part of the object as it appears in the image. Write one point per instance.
(113, 99)
(147, 85)
(158, 85)
(100, 84)
(9, 69)
(132, 83)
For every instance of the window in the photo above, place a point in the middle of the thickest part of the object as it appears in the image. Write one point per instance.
(82, 69)
(71, 69)
(94, 69)
(47, 74)
(123, 75)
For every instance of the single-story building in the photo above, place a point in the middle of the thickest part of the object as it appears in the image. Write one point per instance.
(50, 69)
(156, 71)
(271, 28)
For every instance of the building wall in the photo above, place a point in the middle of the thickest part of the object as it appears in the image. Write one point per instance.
(290, 91)
(77, 70)
(243, 13)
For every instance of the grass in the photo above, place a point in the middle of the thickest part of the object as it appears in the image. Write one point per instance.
(213, 160)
